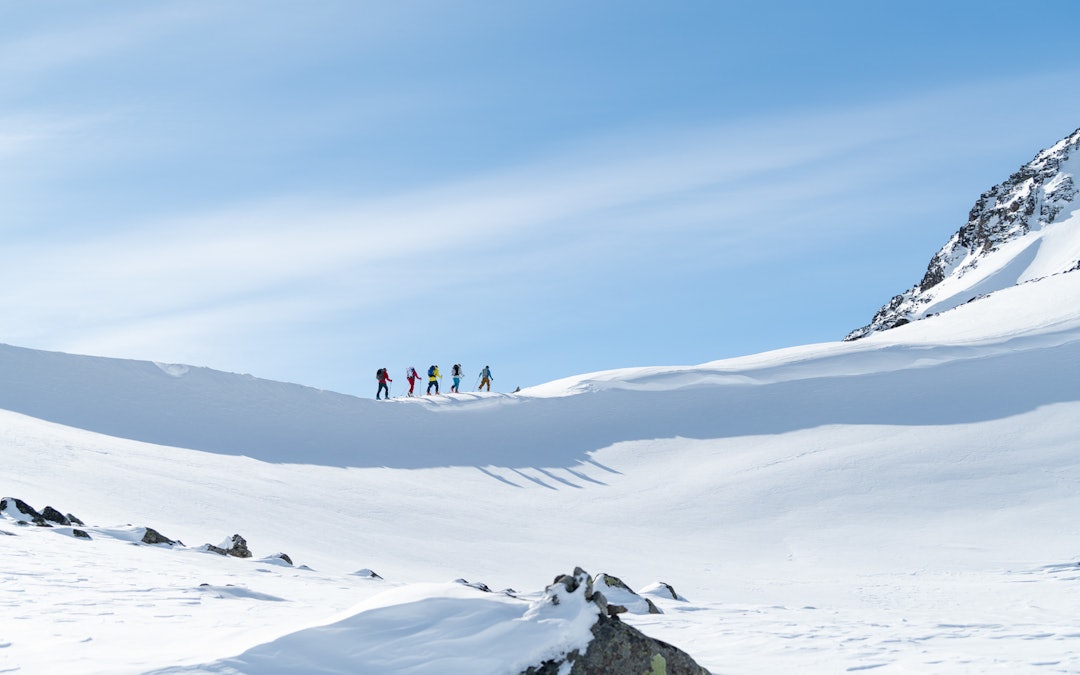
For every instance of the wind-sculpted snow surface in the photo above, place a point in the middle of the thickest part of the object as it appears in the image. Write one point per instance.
(560, 423)
(901, 503)
(424, 629)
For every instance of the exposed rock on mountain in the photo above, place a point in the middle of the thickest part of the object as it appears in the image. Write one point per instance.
(1022, 230)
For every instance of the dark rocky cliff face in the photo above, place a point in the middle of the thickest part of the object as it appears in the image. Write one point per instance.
(1037, 195)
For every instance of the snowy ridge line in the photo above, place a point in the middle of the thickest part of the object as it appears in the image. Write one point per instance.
(522, 435)
(285, 423)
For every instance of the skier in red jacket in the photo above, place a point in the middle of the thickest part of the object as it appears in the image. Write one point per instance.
(412, 376)
(383, 377)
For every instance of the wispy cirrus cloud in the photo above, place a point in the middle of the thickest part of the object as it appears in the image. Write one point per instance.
(86, 35)
(718, 195)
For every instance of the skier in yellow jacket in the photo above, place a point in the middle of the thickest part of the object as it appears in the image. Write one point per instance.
(433, 379)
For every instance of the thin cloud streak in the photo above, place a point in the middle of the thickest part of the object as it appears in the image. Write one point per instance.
(218, 276)
(32, 56)
(200, 259)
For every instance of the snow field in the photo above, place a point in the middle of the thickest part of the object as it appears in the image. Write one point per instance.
(903, 503)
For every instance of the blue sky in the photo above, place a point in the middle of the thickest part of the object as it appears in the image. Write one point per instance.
(307, 192)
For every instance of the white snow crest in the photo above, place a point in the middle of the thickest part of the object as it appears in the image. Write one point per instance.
(12, 512)
(422, 629)
(565, 617)
(173, 369)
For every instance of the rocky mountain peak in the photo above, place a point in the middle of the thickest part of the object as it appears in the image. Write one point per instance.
(989, 252)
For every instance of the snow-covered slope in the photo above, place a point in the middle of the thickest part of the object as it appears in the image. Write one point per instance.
(900, 503)
(822, 508)
(1026, 228)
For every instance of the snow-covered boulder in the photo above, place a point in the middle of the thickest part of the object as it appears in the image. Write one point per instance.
(663, 590)
(21, 512)
(615, 647)
(152, 536)
(236, 546)
(619, 595)
(281, 559)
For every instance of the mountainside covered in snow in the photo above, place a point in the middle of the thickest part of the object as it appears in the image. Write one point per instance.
(899, 503)
(1025, 228)
(820, 508)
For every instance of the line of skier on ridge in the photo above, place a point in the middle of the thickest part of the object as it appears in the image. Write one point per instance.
(382, 375)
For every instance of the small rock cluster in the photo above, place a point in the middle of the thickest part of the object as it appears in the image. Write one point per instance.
(49, 517)
(236, 547)
(616, 647)
(25, 515)
(481, 586)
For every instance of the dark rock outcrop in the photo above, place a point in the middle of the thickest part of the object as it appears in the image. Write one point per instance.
(152, 536)
(25, 509)
(237, 547)
(619, 648)
(52, 515)
(616, 647)
(79, 534)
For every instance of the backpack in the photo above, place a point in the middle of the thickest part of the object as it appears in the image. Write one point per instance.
(380, 373)
(431, 371)
(457, 370)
